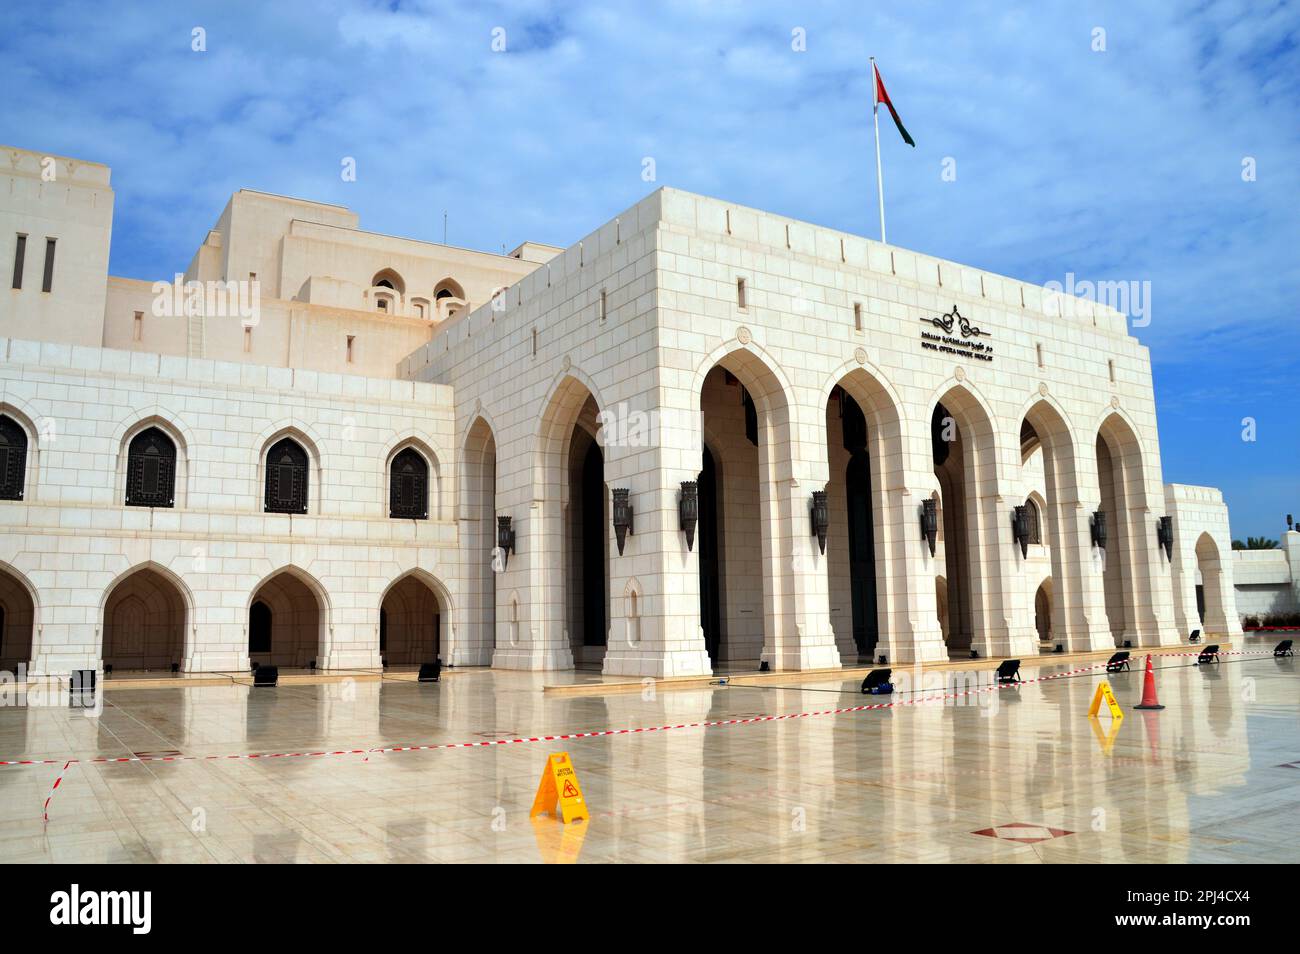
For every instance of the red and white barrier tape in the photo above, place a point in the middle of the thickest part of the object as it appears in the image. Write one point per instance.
(598, 733)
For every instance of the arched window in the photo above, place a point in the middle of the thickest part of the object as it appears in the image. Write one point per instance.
(1035, 521)
(408, 486)
(259, 628)
(151, 470)
(13, 459)
(286, 477)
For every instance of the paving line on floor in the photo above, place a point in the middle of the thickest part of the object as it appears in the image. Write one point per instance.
(572, 736)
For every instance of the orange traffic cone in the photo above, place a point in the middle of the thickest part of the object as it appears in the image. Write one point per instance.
(1149, 689)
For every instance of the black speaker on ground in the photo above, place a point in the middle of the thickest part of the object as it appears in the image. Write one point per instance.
(974, 654)
(1283, 648)
(176, 667)
(1060, 648)
(108, 669)
(81, 689)
(1009, 671)
(764, 667)
(877, 683)
(1119, 662)
(266, 676)
(1208, 654)
(430, 672)
(1195, 637)
(1128, 644)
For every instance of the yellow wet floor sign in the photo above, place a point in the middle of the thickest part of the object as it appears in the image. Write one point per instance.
(560, 784)
(1104, 693)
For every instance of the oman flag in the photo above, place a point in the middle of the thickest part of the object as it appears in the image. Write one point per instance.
(883, 97)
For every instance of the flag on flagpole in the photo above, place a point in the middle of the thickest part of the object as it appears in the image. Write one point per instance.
(883, 97)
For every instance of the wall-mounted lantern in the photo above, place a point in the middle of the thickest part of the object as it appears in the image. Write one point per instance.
(930, 522)
(1020, 528)
(688, 511)
(505, 539)
(821, 518)
(1165, 536)
(1098, 524)
(622, 516)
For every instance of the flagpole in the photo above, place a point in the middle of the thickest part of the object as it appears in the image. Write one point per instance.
(875, 118)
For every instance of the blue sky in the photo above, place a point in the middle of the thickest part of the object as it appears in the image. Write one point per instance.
(1122, 164)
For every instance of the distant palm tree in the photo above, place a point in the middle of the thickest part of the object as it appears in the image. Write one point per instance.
(1260, 543)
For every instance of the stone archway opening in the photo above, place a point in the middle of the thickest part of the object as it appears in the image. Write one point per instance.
(17, 622)
(1209, 587)
(1120, 478)
(1043, 615)
(745, 418)
(586, 545)
(861, 441)
(410, 624)
(479, 483)
(144, 623)
(286, 629)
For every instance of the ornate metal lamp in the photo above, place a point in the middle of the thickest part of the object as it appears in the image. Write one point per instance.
(1098, 524)
(821, 518)
(688, 511)
(622, 516)
(1020, 527)
(505, 539)
(1165, 536)
(930, 522)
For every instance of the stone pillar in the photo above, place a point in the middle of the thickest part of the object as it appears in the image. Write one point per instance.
(530, 592)
(661, 637)
(805, 638)
(907, 614)
(1002, 627)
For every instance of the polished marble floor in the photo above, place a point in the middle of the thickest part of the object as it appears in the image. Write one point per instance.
(1015, 775)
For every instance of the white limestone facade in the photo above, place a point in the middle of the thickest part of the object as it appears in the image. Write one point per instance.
(723, 366)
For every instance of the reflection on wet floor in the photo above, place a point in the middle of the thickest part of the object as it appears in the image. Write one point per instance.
(1014, 775)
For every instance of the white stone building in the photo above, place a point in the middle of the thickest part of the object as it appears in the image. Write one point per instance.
(313, 464)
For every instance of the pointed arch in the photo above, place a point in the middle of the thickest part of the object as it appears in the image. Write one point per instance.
(146, 619)
(21, 608)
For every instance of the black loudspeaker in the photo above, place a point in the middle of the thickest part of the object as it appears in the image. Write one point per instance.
(81, 689)
(1195, 637)
(108, 669)
(1283, 648)
(877, 683)
(1128, 644)
(1060, 648)
(266, 676)
(1208, 654)
(430, 672)
(176, 667)
(1119, 662)
(1009, 671)
(764, 667)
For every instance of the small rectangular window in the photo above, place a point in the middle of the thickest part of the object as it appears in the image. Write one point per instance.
(740, 292)
(252, 276)
(20, 253)
(47, 283)
(603, 305)
(857, 316)
(248, 339)
(351, 339)
(1111, 366)
(137, 328)
(1039, 349)
(534, 342)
